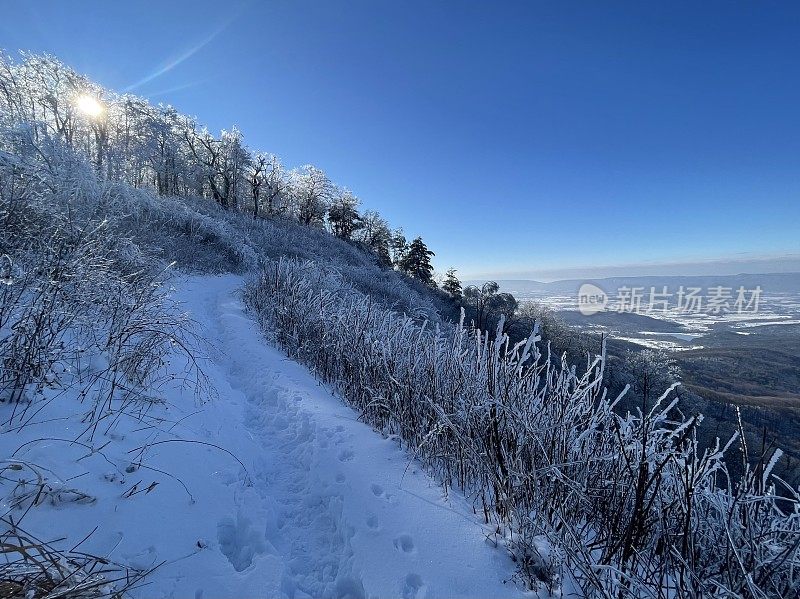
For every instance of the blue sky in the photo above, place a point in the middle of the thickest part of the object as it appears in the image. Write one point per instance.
(519, 139)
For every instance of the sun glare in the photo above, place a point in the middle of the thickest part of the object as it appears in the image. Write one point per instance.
(89, 106)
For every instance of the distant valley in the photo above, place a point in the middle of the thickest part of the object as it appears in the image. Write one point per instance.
(749, 360)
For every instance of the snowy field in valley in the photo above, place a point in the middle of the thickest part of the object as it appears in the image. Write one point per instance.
(271, 488)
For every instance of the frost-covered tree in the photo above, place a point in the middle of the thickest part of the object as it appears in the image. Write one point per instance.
(343, 215)
(235, 165)
(398, 246)
(451, 284)
(487, 305)
(276, 187)
(208, 157)
(256, 176)
(375, 233)
(477, 298)
(312, 192)
(563, 339)
(650, 372)
(269, 186)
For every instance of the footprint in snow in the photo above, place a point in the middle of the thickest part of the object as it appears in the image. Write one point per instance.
(346, 455)
(349, 588)
(378, 491)
(239, 541)
(404, 543)
(413, 587)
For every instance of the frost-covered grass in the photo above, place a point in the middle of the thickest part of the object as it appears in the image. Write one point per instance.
(86, 327)
(620, 505)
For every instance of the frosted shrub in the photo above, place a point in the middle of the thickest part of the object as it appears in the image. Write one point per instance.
(78, 289)
(618, 506)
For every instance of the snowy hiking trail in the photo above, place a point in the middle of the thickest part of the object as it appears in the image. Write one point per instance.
(331, 508)
(269, 488)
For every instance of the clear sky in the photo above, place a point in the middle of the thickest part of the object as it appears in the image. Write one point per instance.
(519, 139)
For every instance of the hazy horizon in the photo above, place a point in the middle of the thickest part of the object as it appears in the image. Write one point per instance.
(787, 264)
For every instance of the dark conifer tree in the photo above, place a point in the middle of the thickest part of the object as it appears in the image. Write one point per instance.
(451, 284)
(417, 262)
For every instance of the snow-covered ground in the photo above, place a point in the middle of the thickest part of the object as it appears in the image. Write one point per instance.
(320, 505)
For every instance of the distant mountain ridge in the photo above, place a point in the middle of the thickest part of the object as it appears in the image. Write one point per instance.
(769, 283)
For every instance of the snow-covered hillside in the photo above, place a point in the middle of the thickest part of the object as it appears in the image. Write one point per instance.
(273, 488)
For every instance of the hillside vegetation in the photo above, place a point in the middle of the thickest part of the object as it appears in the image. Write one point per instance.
(98, 203)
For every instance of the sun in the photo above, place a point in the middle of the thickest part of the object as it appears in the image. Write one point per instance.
(89, 106)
